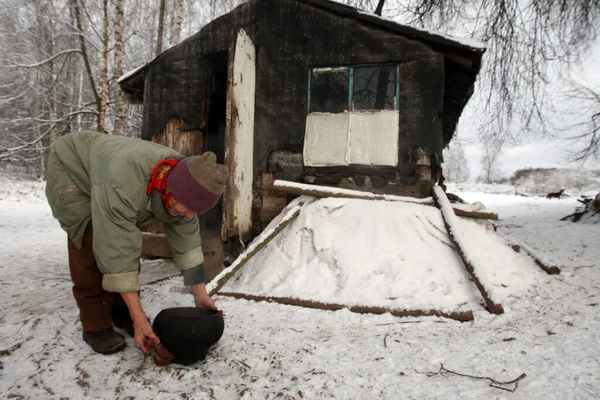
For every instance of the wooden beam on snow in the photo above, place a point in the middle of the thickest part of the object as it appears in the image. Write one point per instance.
(258, 244)
(456, 315)
(475, 214)
(305, 189)
(451, 226)
(544, 264)
(329, 191)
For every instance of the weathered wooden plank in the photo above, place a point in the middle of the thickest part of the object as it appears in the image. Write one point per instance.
(267, 180)
(274, 203)
(475, 214)
(456, 315)
(258, 244)
(325, 191)
(268, 215)
(155, 245)
(440, 197)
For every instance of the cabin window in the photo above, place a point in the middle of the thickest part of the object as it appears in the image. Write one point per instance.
(353, 115)
(329, 88)
(374, 88)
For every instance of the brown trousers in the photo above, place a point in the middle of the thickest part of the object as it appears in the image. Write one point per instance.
(95, 304)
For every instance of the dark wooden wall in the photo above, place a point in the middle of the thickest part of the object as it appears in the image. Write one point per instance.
(298, 37)
(291, 37)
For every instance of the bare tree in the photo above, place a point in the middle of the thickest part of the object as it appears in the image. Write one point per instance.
(581, 121)
(490, 158)
(455, 166)
(86, 56)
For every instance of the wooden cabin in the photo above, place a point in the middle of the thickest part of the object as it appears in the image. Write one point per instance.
(309, 91)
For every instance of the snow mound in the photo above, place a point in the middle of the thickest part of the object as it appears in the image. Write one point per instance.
(379, 254)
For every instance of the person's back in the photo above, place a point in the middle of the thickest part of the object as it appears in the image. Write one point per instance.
(102, 189)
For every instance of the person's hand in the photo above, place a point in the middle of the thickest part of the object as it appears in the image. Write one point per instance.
(144, 335)
(201, 298)
(205, 302)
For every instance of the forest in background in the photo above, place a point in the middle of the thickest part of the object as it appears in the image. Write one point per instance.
(61, 60)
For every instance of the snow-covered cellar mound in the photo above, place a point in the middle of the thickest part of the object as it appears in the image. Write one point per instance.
(378, 254)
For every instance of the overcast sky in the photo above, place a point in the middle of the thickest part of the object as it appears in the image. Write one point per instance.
(537, 153)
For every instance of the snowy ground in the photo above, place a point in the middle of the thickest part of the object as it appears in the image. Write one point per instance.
(550, 333)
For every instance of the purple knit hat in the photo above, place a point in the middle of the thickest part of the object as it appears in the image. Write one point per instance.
(197, 182)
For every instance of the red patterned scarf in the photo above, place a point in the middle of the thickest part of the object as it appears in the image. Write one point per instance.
(159, 181)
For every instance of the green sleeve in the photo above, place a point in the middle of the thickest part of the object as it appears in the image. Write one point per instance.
(184, 237)
(117, 240)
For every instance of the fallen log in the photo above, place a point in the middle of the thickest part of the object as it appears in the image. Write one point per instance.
(475, 214)
(461, 316)
(258, 244)
(547, 266)
(452, 228)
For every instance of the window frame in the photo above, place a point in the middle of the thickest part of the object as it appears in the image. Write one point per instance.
(351, 85)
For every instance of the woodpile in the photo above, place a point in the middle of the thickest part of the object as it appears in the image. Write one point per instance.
(589, 209)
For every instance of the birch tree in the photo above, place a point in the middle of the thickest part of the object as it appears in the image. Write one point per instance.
(176, 34)
(104, 79)
(118, 67)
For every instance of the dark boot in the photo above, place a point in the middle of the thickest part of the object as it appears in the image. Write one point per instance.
(105, 342)
(122, 319)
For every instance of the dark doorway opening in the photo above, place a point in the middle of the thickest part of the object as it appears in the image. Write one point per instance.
(210, 221)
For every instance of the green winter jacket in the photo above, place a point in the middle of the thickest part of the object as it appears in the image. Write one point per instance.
(103, 178)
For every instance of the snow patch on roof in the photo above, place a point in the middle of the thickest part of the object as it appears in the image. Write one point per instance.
(129, 74)
(467, 42)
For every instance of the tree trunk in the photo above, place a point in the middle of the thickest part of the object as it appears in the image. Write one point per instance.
(49, 73)
(118, 71)
(86, 58)
(379, 8)
(104, 95)
(176, 36)
(161, 22)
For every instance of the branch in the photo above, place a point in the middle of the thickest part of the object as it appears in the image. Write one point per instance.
(45, 121)
(38, 64)
(494, 383)
(7, 152)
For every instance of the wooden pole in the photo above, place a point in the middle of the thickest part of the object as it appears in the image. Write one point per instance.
(304, 189)
(544, 264)
(326, 191)
(450, 222)
(254, 248)
(456, 315)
